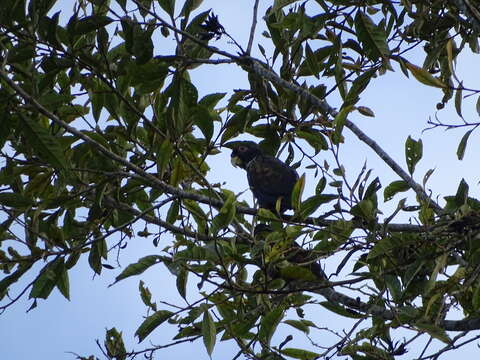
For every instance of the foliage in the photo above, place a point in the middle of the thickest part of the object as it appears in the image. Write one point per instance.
(103, 132)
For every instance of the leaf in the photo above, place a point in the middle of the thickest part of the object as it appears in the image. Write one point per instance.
(47, 279)
(139, 267)
(97, 251)
(476, 298)
(309, 206)
(203, 119)
(458, 100)
(434, 331)
(14, 200)
(151, 323)
(47, 146)
(340, 310)
(189, 6)
(372, 37)
(299, 325)
(209, 332)
(424, 76)
(358, 86)
(168, 6)
(89, 24)
(269, 323)
(394, 188)
(311, 60)
(164, 155)
(225, 215)
(314, 138)
(297, 192)
(463, 144)
(12, 278)
(462, 193)
(413, 153)
(181, 282)
(300, 354)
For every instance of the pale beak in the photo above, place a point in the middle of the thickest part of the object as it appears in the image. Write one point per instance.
(236, 161)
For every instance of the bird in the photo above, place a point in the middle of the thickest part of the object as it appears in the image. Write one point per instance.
(270, 179)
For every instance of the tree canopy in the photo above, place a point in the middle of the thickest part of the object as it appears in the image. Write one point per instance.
(105, 138)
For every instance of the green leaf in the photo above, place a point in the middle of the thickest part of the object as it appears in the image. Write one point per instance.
(12, 278)
(15, 200)
(151, 323)
(340, 310)
(225, 215)
(299, 325)
(462, 193)
(269, 324)
(297, 192)
(168, 6)
(48, 147)
(434, 331)
(97, 251)
(146, 295)
(203, 119)
(89, 24)
(413, 153)
(463, 144)
(181, 282)
(372, 37)
(424, 76)
(358, 86)
(189, 6)
(310, 205)
(164, 155)
(314, 138)
(209, 332)
(394, 188)
(139, 267)
(311, 60)
(300, 354)
(476, 298)
(47, 279)
(114, 345)
(458, 100)
(63, 283)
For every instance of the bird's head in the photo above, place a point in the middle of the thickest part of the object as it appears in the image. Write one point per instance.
(243, 152)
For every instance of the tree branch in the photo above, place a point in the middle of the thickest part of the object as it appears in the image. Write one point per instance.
(258, 68)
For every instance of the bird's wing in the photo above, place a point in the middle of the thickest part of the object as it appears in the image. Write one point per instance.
(269, 179)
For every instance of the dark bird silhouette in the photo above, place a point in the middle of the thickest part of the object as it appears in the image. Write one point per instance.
(269, 178)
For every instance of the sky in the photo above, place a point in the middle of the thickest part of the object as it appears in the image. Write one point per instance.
(57, 327)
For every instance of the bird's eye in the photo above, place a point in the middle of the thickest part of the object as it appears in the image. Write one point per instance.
(242, 148)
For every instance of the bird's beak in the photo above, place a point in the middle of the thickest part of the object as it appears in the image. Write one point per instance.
(236, 161)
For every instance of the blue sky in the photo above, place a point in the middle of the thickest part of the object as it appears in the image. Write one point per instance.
(402, 107)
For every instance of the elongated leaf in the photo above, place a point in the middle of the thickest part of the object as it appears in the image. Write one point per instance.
(458, 100)
(47, 279)
(47, 146)
(151, 323)
(310, 205)
(297, 192)
(269, 324)
(413, 153)
(394, 188)
(209, 332)
(463, 145)
(225, 215)
(139, 267)
(372, 37)
(424, 76)
(300, 354)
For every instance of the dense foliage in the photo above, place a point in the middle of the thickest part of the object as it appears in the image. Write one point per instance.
(103, 134)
